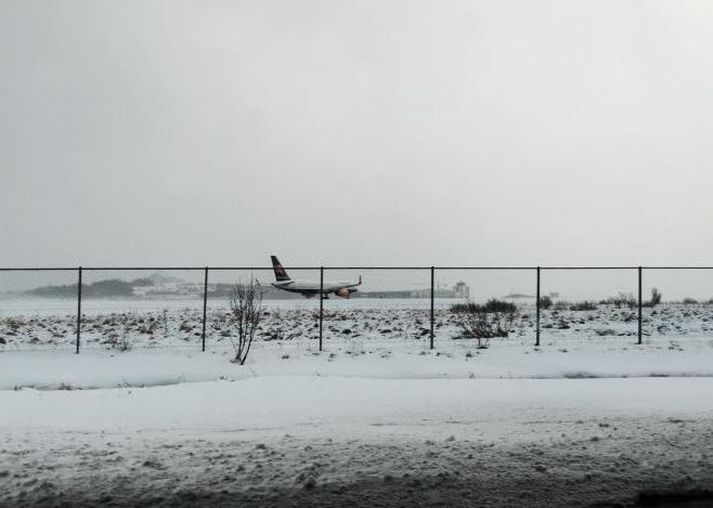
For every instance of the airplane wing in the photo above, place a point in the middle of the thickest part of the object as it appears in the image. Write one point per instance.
(335, 287)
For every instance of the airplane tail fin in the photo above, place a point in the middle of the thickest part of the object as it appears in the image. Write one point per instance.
(280, 272)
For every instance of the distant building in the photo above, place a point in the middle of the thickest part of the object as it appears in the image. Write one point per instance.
(384, 294)
(460, 290)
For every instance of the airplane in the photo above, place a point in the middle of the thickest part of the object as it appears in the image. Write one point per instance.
(310, 289)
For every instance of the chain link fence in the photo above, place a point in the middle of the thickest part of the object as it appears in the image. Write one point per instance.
(124, 308)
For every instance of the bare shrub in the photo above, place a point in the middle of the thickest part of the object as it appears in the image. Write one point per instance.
(164, 316)
(492, 305)
(546, 302)
(459, 308)
(585, 305)
(621, 300)
(484, 322)
(246, 309)
(118, 342)
(561, 305)
(124, 344)
(655, 298)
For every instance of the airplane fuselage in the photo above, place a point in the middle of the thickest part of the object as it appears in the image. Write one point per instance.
(310, 288)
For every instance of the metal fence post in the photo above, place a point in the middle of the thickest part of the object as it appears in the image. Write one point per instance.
(433, 317)
(537, 310)
(321, 304)
(205, 306)
(640, 303)
(79, 308)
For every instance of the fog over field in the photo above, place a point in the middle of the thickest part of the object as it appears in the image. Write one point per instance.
(458, 132)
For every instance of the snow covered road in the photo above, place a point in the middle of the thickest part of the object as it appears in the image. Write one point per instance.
(330, 441)
(309, 405)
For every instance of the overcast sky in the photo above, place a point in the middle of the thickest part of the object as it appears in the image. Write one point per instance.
(368, 132)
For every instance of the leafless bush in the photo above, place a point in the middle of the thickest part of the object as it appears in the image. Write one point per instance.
(119, 342)
(585, 305)
(655, 298)
(247, 312)
(546, 302)
(561, 305)
(124, 344)
(483, 325)
(621, 300)
(164, 315)
(492, 305)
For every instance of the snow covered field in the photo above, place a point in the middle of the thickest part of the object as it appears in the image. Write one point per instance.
(170, 323)
(376, 419)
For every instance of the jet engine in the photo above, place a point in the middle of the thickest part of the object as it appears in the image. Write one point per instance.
(343, 292)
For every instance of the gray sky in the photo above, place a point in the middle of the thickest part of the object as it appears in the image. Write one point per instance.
(368, 132)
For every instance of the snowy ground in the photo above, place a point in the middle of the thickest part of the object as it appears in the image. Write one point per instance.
(316, 441)
(376, 419)
(379, 359)
(149, 324)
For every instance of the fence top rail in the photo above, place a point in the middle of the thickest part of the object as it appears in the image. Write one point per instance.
(39, 269)
(270, 268)
(589, 267)
(677, 267)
